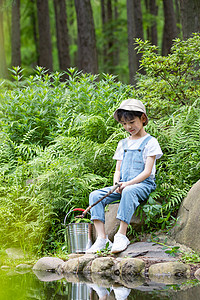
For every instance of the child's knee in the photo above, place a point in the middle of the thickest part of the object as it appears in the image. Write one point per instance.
(93, 197)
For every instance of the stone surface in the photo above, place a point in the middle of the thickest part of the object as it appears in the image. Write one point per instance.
(131, 266)
(148, 251)
(103, 265)
(47, 276)
(15, 253)
(112, 224)
(177, 269)
(23, 267)
(197, 274)
(76, 265)
(186, 230)
(48, 263)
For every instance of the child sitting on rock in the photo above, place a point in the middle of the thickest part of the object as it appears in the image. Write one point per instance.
(135, 171)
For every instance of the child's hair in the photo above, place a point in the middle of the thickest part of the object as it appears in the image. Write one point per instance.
(128, 114)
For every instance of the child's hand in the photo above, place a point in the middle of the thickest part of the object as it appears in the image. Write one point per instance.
(122, 186)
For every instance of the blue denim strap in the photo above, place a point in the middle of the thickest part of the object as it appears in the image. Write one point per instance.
(143, 144)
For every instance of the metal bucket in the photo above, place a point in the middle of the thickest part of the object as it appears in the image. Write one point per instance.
(80, 291)
(77, 235)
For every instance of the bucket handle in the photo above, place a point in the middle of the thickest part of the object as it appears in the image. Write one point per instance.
(75, 209)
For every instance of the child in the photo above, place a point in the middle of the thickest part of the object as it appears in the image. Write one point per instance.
(135, 171)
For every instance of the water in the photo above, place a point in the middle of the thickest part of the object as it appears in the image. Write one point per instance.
(49, 286)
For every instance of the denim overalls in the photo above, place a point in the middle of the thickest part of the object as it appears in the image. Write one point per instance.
(132, 195)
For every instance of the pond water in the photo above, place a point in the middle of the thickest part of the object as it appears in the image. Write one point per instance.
(49, 286)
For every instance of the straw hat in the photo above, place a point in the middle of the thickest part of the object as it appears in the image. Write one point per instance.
(132, 105)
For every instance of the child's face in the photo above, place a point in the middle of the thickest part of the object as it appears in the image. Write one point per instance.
(134, 126)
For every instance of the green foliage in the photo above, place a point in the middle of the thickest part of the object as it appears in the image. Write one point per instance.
(57, 141)
(170, 81)
(105, 251)
(191, 257)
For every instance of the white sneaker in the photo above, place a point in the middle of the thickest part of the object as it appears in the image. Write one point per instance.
(121, 293)
(99, 245)
(89, 245)
(101, 291)
(120, 243)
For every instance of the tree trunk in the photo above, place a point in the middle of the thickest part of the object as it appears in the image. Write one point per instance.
(134, 19)
(110, 37)
(103, 18)
(153, 29)
(131, 35)
(45, 47)
(116, 41)
(3, 69)
(15, 34)
(138, 29)
(170, 29)
(152, 9)
(62, 34)
(34, 25)
(86, 37)
(177, 13)
(190, 17)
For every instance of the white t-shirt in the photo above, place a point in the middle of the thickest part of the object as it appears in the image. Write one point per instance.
(151, 148)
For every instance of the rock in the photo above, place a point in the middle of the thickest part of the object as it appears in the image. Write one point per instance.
(112, 224)
(186, 231)
(23, 267)
(48, 264)
(76, 265)
(102, 280)
(74, 255)
(131, 281)
(47, 276)
(103, 265)
(197, 274)
(5, 267)
(176, 269)
(131, 266)
(148, 251)
(15, 253)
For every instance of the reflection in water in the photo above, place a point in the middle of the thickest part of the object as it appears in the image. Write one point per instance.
(51, 286)
(121, 293)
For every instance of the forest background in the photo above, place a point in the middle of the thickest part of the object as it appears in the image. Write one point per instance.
(65, 66)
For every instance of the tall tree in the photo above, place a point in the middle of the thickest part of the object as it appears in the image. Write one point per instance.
(110, 36)
(15, 34)
(190, 17)
(170, 29)
(135, 30)
(3, 69)
(103, 18)
(34, 26)
(152, 9)
(45, 47)
(116, 40)
(86, 37)
(62, 34)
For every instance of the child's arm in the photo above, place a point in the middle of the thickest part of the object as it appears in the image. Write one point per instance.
(142, 176)
(117, 173)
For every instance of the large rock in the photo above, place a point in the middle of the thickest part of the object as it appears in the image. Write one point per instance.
(76, 265)
(131, 266)
(103, 265)
(48, 264)
(15, 253)
(112, 224)
(186, 230)
(169, 269)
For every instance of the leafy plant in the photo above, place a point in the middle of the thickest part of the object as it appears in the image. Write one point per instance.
(58, 138)
(105, 251)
